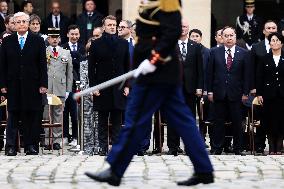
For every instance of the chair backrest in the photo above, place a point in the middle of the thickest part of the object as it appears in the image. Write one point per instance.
(53, 100)
(4, 103)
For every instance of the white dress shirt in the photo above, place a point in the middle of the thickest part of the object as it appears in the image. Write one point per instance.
(180, 45)
(250, 17)
(133, 41)
(276, 59)
(58, 20)
(3, 16)
(71, 46)
(233, 49)
(267, 46)
(25, 37)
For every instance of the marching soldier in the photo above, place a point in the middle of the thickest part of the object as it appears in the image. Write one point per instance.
(158, 86)
(248, 25)
(60, 77)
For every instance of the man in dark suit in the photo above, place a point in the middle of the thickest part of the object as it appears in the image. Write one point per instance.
(24, 79)
(88, 20)
(192, 64)
(108, 58)
(3, 13)
(259, 50)
(228, 85)
(249, 25)
(78, 53)
(56, 19)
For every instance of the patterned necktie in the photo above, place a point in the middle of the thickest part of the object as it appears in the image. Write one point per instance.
(73, 47)
(229, 59)
(22, 42)
(183, 51)
(56, 22)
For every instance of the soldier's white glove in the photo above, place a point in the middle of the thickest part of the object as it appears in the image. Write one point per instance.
(144, 68)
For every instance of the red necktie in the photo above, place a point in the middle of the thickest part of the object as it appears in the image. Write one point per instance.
(55, 53)
(229, 59)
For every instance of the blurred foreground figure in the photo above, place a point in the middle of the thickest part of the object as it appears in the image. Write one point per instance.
(158, 86)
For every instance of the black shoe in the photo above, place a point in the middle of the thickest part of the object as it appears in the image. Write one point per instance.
(259, 151)
(172, 152)
(47, 147)
(240, 153)
(31, 150)
(157, 151)
(179, 150)
(102, 152)
(56, 146)
(216, 152)
(197, 178)
(105, 176)
(10, 151)
(228, 150)
(141, 153)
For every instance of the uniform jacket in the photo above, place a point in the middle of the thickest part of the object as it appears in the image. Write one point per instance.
(23, 72)
(233, 83)
(63, 25)
(270, 78)
(193, 68)
(108, 58)
(2, 24)
(60, 68)
(163, 39)
(255, 26)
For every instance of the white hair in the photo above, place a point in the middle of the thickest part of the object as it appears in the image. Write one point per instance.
(19, 14)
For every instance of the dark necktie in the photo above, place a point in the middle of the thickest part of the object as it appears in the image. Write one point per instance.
(73, 47)
(56, 22)
(183, 51)
(55, 53)
(229, 59)
(131, 50)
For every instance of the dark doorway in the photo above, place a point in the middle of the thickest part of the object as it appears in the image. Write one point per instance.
(270, 10)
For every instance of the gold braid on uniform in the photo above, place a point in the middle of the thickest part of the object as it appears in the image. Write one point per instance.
(169, 5)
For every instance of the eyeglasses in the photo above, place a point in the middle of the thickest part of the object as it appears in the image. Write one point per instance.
(121, 27)
(22, 21)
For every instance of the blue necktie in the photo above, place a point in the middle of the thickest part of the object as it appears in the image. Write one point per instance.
(22, 42)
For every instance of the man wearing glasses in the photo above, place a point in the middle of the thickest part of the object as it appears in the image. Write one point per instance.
(108, 58)
(23, 78)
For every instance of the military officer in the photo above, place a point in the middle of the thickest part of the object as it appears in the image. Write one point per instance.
(158, 86)
(60, 77)
(249, 26)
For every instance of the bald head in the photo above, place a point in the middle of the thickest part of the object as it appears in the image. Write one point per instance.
(185, 28)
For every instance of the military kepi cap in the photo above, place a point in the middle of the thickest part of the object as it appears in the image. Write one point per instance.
(249, 3)
(53, 32)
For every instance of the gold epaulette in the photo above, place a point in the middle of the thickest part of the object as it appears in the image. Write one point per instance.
(170, 5)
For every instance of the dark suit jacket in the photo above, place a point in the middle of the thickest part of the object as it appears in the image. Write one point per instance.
(108, 58)
(193, 68)
(77, 57)
(23, 72)
(82, 22)
(2, 25)
(205, 58)
(258, 50)
(63, 25)
(269, 78)
(233, 83)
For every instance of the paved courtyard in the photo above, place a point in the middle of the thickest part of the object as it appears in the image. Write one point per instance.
(67, 171)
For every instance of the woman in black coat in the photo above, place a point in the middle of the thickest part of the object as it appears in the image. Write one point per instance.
(270, 92)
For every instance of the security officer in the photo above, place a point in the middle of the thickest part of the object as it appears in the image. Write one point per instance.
(158, 86)
(248, 25)
(60, 77)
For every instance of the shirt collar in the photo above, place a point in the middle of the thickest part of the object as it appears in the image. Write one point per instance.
(180, 41)
(249, 16)
(71, 45)
(57, 48)
(53, 16)
(266, 42)
(233, 49)
(25, 35)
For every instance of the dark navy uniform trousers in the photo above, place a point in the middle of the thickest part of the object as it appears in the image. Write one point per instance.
(143, 102)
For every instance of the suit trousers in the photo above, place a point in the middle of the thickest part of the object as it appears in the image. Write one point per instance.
(103, 126)
(30, 123)
(145, 100)
(173, 139)
(70, 108)
(222, 108)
